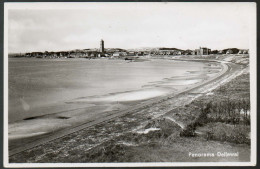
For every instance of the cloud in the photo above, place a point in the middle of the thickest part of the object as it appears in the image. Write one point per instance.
(130, 25)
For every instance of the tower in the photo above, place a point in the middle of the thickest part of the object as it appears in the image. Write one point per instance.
(102, 49)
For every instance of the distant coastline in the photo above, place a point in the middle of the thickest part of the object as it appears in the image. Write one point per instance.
(128, 54)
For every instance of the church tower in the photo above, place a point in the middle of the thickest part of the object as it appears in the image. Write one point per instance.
(102, 49)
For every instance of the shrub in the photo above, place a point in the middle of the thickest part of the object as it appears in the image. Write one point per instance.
(225, 132)
(189, 131)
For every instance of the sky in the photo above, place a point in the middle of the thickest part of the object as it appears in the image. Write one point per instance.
(67, 26)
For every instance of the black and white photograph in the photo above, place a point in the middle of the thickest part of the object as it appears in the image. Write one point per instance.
(128, 84)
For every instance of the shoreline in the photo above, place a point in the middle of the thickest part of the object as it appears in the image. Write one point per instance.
(109, 117)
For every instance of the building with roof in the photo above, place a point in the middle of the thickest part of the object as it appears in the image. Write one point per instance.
(202, 51)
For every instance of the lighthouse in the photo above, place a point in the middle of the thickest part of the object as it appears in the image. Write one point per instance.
(102, 49)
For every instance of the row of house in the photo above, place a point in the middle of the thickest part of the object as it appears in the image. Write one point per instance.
(200, 51)
(83, 54)
(207, 51)
(55, 54)
(88, 53)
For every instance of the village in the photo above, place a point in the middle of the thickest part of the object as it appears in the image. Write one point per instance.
(127, 54)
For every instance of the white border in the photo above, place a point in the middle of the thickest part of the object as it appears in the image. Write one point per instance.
(70, 5)
(5, 128)
(253, 87)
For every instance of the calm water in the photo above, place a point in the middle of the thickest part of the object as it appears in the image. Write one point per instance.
(38, 87)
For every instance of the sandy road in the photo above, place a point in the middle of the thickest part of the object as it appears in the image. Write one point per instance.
(33, 142)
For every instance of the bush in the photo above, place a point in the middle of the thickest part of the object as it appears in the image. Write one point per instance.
(189, 131)
(225, 132)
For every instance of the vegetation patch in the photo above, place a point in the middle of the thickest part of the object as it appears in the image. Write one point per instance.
(224, 116)
(238, 134)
